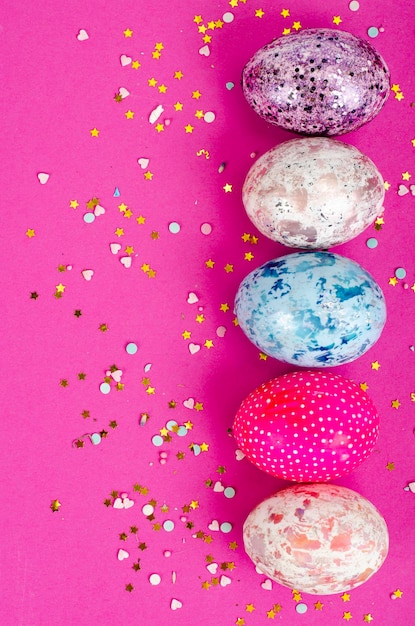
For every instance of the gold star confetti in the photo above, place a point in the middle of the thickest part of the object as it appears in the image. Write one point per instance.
(397, 594)
(296, 25)
(375, 365)
(189, 128)
(345, 597)
(74, 204)
(55, 505)
(227, 188)
(318, 605)
(30, 233)
(128, 32)
(347, 616)
(285, 12)
(390, 466)
(196, 94)
(178, 74)
(395, 404)
(367, 618)
(94, 132)
(178, 106)
(337, 20)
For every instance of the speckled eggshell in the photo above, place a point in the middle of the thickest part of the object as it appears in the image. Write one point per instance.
(312, 309)
(307, 426)
(319, 81)
(313, 192)
(317, 538)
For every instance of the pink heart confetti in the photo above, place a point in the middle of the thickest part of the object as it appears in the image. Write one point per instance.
(127, 503)
(204, 51)
(239, 455)
(82, 35)
(123, 92)
(402, 190)
(212, 568)
(126, 261)
(192, 298)
(122, 554)
(116, 375)
(125, 60)
(87, 274)
(143, 162)
(267, 584)
(175, 604)
(43, 178)
(99, 210)
(115, 248)
(221, 331)
(189, 403)
(193, 348)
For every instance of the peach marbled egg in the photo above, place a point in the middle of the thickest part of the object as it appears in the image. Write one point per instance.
(317, 538)
(313, 192)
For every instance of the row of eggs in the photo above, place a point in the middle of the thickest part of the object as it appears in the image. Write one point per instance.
(313, 309)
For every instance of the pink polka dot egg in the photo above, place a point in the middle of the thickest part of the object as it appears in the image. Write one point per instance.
(307, 426)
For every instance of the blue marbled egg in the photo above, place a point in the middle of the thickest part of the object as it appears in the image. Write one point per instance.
(311, 309)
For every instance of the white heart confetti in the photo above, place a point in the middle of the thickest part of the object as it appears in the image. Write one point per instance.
(189, 403)
(193, 348)
(116, 375)
(214, 525)
(126, 261)
(192, 298)
(175, 604)
(87, 274)
(143, 162)
(402, 190)
(225, 581)
(267, 584)
(204, 51)
(412, 189)
(82, 35)
(212, 568)
(118, 504)
(115, 248)
(410, 487)
(124, 93)
(218, 487)
(125, 60)
(99, 210)
(43, 178)
(122, 554)
(239, 455)
(155, 114)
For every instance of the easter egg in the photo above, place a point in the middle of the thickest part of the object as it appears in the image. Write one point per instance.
(313, 192)
(319, 81)
(307, 426)
(317, 538)
(312, 309)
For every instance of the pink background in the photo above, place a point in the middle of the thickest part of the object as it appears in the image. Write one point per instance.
(62, 567)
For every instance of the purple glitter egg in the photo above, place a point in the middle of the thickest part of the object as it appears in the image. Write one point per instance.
(319, 81)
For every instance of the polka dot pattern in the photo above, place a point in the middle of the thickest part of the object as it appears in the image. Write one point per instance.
(307, 426)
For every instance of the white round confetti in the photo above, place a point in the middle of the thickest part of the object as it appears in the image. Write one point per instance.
(89, 218)
(168, 525)
(155, 579)
(206, 229)
(104, 388)
(147, 509)
(301, 608)
(157, 441)
(229, 492)
(228, 17)
(354, 5)
(373, 32)
(171, 425)
(182, 431)
(226, 527)
(131, 348)
(167, 553)
(209, 117)
(174, 228)
(400, 272)
(96, 439)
